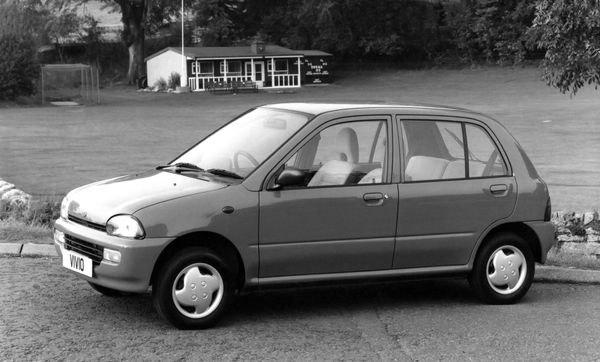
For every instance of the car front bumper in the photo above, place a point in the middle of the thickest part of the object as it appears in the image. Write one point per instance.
(138, 257)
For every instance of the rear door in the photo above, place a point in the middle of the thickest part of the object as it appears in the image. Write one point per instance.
(455, 183)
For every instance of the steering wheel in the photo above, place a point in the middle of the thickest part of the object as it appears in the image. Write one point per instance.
(247, 155)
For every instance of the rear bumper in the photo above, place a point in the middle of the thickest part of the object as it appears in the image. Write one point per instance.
(545, 233)
(138, 257)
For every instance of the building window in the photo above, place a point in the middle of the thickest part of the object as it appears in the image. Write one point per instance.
(233, 67)
(281, 66)
(206, 69)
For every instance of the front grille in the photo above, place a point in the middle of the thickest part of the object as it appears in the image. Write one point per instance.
(89, 224)
(91, 250)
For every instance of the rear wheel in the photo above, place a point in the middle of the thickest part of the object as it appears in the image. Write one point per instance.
(503, 270)
(193, 288)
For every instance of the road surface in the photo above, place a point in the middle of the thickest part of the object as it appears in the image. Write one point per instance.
(48, 314)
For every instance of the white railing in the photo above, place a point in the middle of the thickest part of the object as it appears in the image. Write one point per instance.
(201, 83)
(277, 81)
(285, 80)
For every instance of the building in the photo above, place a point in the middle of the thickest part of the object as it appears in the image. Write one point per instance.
(268, 66)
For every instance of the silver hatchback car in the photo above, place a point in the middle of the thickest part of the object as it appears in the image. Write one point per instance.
(300, 193)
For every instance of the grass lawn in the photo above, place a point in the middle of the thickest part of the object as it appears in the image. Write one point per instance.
(50, 150)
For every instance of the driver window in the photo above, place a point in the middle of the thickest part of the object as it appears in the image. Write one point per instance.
(344, 154)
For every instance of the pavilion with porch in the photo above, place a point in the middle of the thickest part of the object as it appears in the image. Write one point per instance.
(266, 66)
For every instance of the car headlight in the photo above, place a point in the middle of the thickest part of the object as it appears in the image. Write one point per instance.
(126, 226)
(64, 208)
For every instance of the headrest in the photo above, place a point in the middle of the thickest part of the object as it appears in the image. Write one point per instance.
(347, 145)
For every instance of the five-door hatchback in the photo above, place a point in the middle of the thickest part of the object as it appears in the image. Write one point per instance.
(299, 193)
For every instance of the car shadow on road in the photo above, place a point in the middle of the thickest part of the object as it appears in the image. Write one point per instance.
(306, 302)
(301, 302)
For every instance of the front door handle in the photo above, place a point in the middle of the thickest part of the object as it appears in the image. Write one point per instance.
(499, 189)
(374, 198)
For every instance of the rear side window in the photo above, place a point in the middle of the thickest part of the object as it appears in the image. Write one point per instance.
(444, 150)
(484, 158)
(433, 150)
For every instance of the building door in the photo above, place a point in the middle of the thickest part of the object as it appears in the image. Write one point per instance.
(259, 73)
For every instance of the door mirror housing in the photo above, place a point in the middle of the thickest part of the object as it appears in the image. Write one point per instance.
(289, 177)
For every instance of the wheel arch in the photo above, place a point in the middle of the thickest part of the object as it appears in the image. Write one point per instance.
(216, 242)
(521, 230)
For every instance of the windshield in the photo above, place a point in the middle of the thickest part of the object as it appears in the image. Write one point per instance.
(246, 142)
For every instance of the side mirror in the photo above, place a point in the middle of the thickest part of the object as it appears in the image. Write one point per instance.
(289, 177)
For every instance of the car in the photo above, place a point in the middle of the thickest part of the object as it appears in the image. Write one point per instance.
(298, 193)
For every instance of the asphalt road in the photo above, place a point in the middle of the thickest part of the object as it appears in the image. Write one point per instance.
(48, 314)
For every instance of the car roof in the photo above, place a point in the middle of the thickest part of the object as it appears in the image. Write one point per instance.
(320, 108)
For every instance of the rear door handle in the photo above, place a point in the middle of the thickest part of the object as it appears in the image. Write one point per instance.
(374, 198)
(499, 190)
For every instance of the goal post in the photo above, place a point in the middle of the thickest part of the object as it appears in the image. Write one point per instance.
(78, 83)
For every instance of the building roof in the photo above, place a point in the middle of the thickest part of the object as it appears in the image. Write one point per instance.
(238, 52)
(314, 53)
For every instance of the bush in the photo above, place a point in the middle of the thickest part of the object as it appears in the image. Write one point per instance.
(43, 212)
(40, 212)
(174, 80)
(160, 84)
(18, 66)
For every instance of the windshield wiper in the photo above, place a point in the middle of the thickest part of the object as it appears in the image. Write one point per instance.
(225, 173)
(181, 166)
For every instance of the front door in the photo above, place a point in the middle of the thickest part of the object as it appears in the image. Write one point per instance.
(258, 74)
(342, 216)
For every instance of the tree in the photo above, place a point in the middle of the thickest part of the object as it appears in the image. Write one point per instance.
(61, 25)
(18, 56)
(569, 31)
(137, 16)
(216, 20)
(133, 17)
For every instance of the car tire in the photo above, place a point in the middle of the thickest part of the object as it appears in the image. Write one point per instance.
(109, 292)
(193, 288)
(503, 269)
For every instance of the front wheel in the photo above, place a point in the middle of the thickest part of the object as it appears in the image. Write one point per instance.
(192, 289)
(503, 270)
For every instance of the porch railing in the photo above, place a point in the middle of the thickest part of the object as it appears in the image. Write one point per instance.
(272, 81)
(284, 80)
(201, 83)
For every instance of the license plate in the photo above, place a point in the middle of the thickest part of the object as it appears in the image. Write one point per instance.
(77, 262)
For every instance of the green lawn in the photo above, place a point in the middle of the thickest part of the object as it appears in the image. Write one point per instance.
(50, 150)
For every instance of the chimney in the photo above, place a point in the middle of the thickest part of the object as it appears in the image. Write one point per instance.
(257, 46)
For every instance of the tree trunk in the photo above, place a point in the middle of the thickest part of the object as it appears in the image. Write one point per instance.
(134, 19)
(136, 60)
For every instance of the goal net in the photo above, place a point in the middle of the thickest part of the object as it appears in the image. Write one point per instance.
(77, 83)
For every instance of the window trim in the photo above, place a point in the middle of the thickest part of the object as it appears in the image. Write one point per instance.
(206, 74)
(464, 121)
(229, 62)
(283, 71)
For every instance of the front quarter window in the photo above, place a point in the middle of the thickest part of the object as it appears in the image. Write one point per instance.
(246, 142)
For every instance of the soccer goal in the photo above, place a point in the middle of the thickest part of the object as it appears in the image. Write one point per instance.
(77, 83)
